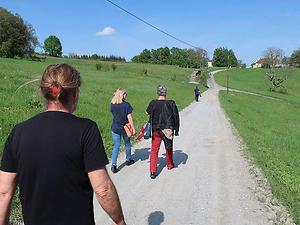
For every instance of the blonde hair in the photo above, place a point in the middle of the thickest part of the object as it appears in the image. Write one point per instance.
(118, 96)
(59, 81)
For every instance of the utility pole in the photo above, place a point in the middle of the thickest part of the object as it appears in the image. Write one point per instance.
(227, 74)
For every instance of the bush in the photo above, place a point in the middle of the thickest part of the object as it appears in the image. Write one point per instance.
(98, 66)
(106, 67)
(144, 72)
(173, 77)
(114, 67)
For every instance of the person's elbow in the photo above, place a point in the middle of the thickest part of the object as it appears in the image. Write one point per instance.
(104, 191)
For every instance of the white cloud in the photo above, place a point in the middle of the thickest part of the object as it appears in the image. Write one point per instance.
(106, 31)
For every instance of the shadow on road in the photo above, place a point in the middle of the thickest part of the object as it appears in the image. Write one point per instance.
(179, 157)
(139, 154)
(156, 218)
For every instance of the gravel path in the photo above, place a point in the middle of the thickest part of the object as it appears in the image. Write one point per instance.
(211, 184)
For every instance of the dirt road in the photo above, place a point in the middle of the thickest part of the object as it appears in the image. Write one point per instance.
(211, 184)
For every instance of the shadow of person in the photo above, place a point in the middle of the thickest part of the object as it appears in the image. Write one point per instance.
(156, 218)
(179, 157)
(139, 154)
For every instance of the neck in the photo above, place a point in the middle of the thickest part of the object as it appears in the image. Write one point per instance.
(53, 106)
(162, 98)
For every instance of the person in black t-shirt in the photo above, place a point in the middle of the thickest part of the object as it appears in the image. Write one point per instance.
(197, 93)
(58, 160)
(121, 111)
(165, 123)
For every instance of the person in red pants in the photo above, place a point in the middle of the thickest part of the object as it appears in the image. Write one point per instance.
(164, 119)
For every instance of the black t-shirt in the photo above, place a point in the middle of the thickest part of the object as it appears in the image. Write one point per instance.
(51, 154)
(120, 112)
(155, 108)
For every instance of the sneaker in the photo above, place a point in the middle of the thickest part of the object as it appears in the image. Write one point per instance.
(130, 162)
(152, 175)
(114, 169)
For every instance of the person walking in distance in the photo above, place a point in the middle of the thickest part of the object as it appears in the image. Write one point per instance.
(58, 160)
(197, 93)
(121, 111)
(165, 124)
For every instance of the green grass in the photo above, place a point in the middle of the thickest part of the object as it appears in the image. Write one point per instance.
(269, 128)
(95, 94)
(255, 80)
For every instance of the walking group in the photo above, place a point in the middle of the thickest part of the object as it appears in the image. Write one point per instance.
(58, 159)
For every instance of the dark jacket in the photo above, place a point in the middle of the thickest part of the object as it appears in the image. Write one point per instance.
(169, 118)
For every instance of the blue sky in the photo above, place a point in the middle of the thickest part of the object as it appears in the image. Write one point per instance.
(247, 27)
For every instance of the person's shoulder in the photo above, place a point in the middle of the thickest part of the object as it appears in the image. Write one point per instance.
(126, 103)
(153, 101)
(30, 121)
(84, 121)
(171, 101)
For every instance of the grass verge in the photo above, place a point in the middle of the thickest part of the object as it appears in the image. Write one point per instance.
(271, 131)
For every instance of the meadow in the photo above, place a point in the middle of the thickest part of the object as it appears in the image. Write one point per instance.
(18, 103)
(270, 129)
(255, 80)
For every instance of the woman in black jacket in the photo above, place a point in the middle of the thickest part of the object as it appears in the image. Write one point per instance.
(165, 123)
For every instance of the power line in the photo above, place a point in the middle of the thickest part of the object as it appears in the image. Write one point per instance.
(149, 24)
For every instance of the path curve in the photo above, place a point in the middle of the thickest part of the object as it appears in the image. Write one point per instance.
(210, 185)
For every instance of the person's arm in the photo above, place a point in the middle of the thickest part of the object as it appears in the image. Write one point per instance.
(176, 118)
(7, 189)
(130, 120)
(107, 195)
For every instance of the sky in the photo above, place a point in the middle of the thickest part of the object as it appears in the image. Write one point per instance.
(96, 26)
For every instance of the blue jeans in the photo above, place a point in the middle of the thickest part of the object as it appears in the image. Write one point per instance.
(117, 144)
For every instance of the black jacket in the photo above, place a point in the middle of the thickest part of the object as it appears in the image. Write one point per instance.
(169, 118)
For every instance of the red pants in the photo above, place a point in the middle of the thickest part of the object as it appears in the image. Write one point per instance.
(156, 141)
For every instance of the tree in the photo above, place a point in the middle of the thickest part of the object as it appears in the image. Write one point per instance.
(52, 46)
(295, 57)
(17, 38)
(224, 57)
(273, 57)
(164, 55)
(202, 57)
(145, 56)
(178, 57)
(240, 64)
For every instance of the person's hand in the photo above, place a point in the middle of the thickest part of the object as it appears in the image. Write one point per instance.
(133, 130)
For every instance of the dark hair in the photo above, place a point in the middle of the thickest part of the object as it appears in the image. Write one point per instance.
(59, 81)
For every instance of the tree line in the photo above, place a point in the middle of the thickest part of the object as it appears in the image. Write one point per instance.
(175, 56)
(194, 58)
(96, 56)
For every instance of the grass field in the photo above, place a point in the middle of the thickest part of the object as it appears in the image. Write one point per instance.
(270, 130)
(255, 80)
(95, 93)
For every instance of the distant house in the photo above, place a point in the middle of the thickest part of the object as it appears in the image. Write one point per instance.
(209, 64)
(259, 63)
